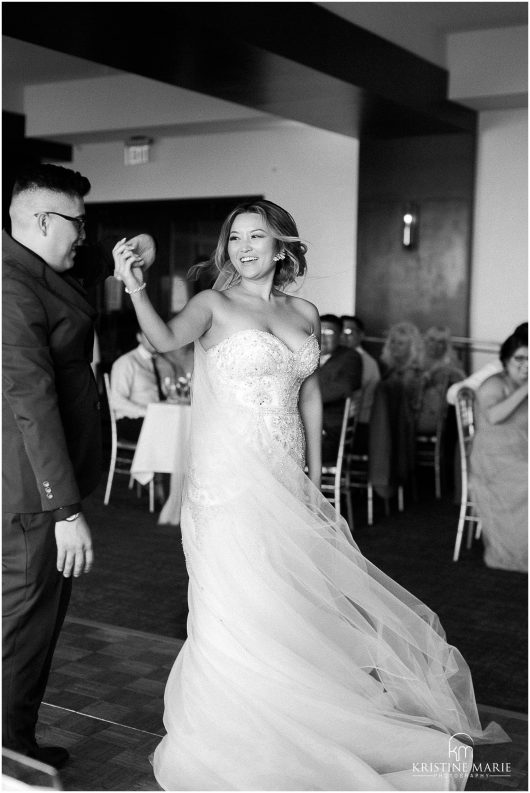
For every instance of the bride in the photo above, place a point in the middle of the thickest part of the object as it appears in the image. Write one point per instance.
(305, 668)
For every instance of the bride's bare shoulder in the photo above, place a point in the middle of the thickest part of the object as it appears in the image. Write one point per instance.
(209, 298)
(308, 310)
(217, 305)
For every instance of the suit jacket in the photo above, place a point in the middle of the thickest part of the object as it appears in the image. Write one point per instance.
(50, 403)
(340, 376)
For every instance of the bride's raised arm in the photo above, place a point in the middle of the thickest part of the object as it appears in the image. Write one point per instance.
(191, 323)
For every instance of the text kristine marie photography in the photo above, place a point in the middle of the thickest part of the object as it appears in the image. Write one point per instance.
(460, 763)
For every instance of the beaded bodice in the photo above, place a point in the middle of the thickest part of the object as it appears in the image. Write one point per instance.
(256, 372)
(255, 369)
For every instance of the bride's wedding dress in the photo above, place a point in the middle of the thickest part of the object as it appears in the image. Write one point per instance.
(305, 668)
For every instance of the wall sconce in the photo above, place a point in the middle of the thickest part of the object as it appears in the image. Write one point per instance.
(409, 233)
(137, 150)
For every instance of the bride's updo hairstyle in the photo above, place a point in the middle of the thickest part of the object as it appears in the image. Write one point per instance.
(281, 226)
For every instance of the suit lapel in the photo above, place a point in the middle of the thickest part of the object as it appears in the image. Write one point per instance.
(65, 287)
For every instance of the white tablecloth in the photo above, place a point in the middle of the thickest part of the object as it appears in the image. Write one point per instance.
(163, 448)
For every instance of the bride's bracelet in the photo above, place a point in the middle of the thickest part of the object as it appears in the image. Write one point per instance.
(138, 289)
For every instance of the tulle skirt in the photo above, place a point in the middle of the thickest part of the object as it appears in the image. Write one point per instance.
(305, 668)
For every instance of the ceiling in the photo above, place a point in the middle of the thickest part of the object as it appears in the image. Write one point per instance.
(422, 28)
(419, 27)
(27, 64)
(371, 80)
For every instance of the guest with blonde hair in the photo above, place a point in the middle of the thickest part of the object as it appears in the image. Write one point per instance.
(439, 350)
(402, 358)
(441, 369)
(403, 348)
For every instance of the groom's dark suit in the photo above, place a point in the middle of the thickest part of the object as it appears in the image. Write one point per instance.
(51, 459)
(340, 376)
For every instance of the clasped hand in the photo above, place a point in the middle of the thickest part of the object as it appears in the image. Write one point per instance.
(131, 258)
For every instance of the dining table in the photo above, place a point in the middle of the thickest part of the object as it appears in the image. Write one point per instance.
(163, 448)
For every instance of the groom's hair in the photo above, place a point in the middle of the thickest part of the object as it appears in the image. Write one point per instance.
(51, 177)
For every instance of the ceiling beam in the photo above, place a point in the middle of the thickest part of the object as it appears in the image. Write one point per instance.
(294, 60)
(18, 149)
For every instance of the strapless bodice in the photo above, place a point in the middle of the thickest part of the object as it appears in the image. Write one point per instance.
(256, 370)
(256, 376)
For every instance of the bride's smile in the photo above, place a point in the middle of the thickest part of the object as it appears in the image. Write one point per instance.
(251, 246)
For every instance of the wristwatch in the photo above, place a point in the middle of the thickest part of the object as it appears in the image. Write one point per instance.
(71, 518)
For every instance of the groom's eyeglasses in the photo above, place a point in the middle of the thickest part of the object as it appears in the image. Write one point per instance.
(79, 221)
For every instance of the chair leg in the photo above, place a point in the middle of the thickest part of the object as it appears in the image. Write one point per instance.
(112, 466)
(336, 498)
(109, 486)
(401, 499)
(459, 532)
(478, 531)
(461, 521)
(370, 493)
(152, 495)
(349, 507)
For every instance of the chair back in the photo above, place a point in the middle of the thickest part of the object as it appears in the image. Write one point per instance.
(465, 419)
(349, 424)
(351, 416)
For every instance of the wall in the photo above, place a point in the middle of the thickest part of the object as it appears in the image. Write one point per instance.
(311, 172)
(500, 240)
(488, 68)
(429, 284)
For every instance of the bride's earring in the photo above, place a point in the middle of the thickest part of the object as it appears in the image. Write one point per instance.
(279, 257)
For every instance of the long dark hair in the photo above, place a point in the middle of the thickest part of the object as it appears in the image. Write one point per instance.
(281, 226)
(513, 343)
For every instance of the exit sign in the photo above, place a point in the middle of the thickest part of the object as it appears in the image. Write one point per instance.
(136, 152)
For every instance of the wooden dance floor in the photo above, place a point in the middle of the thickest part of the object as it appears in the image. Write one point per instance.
(104, 703)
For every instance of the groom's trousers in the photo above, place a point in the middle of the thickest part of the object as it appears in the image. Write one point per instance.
(35, 600)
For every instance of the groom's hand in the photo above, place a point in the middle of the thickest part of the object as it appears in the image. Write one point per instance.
(74, 547)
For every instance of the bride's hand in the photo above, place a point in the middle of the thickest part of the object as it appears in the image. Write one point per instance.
(144, 246)
(127, 265)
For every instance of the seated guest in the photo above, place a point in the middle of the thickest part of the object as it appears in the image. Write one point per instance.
(439, 351)
(499, 458)
(352, 337)
(441, 369)
(136, 380)
(402, 359)
(477, 378)
(340, 375)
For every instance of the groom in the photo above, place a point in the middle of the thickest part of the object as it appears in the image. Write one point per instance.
(51, 434)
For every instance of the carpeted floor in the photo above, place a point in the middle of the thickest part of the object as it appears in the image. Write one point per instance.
(139, 581)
